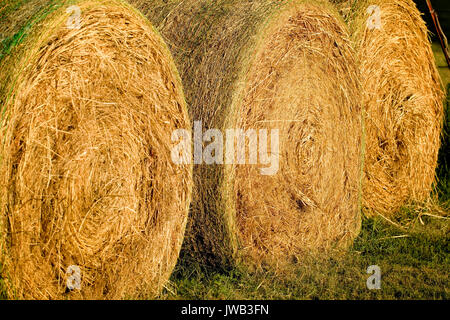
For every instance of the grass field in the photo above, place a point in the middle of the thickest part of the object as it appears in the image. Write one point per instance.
(412, 252)
(414, 264)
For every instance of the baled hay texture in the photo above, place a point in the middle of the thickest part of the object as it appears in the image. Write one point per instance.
(284, 65)
(86, 173)
(403, 105)
(343, 6)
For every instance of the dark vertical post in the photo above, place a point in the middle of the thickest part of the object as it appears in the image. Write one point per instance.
(440, 32)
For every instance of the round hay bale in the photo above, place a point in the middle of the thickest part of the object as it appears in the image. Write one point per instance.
(88, 188)
(274, 65)
(403, 102)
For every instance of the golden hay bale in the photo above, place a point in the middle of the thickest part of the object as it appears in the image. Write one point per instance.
(403, 103)
(284, 65)
(86, 173)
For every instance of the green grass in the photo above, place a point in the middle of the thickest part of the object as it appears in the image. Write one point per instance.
(414, 264)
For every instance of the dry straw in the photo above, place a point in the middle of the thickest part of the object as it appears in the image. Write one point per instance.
(86, 176)
(403, 102)
(284, 65)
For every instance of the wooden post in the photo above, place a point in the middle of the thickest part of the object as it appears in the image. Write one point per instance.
(440, 32)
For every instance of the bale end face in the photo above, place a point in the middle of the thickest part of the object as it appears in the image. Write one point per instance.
(302, 81)
(403, 104)
(85, 166)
